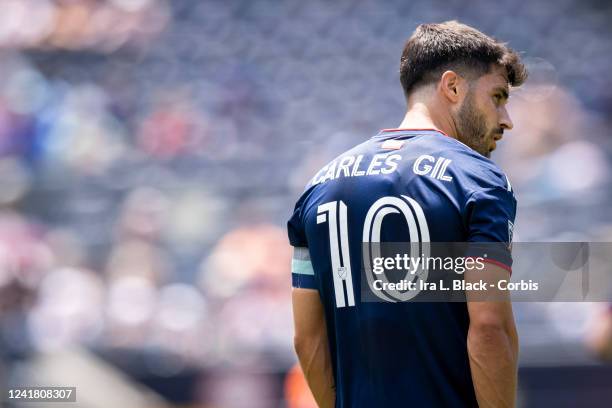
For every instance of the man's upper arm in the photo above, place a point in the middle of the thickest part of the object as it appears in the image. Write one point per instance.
(492, 307)
(491, 210)
(308, 313)
(302, 271)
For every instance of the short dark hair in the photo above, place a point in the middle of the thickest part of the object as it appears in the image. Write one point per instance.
(435, 48)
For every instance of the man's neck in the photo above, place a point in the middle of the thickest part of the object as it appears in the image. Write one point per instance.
(419, 116)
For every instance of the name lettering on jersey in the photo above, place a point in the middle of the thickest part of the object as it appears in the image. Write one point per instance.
(434, 167)
(353, 166)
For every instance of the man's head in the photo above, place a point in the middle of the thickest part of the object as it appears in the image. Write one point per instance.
(468, 74)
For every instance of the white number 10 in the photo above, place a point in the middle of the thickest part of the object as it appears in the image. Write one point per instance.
(335, 214)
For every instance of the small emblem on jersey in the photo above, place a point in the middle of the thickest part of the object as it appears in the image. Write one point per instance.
(436, 167)
(392, 144)
(341, 271)
(510, 234)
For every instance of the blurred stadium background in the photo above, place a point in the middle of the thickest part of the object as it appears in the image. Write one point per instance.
(151, 152)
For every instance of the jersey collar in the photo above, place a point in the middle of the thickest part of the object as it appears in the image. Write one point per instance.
(383, 131)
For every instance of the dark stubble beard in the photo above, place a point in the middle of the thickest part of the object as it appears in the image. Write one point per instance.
(472, 126)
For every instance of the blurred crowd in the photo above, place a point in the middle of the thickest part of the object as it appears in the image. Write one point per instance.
(151, 151)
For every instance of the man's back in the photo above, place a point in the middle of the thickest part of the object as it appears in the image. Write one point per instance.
(399, 186)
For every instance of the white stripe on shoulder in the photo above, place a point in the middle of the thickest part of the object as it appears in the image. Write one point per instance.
(300, 263)
(301, 253)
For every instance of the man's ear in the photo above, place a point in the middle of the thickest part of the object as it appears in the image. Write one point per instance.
(452, 86)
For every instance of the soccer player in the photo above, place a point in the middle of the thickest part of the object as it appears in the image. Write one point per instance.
(430, 180)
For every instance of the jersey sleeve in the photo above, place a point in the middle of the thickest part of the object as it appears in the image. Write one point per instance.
(490, 214)
(302, 272)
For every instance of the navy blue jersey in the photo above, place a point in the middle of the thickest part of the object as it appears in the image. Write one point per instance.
(404, 353)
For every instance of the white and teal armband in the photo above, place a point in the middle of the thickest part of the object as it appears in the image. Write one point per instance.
(302, 272)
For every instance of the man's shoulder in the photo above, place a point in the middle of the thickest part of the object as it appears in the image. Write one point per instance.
(475, 169)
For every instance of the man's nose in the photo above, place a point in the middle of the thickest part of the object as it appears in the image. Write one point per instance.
(505, 121)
